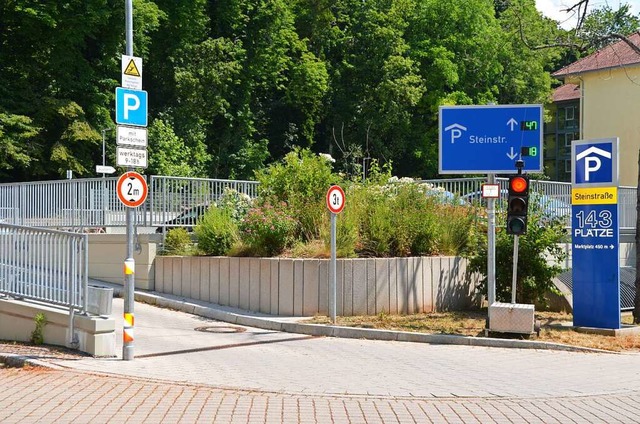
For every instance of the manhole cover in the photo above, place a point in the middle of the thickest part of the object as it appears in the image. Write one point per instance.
(220, 329)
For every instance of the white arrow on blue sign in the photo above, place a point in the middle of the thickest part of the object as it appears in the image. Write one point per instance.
(131, 107)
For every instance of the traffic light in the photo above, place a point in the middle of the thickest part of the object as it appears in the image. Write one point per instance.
(518, 204)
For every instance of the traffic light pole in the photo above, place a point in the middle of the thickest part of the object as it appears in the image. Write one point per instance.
(515, 268)
(514, 279)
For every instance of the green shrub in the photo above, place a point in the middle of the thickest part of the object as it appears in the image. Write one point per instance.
(540, 252)
(177, 242)
(238, 204)
(216, 231)
(268, 230)
(301, 180)
(37, 335)
(457, 228)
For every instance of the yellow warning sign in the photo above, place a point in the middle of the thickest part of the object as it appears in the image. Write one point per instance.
(594, 196)
(132, 69)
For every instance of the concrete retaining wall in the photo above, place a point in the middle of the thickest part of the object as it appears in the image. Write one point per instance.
(107, 253)
(96, 335)
(300, 287)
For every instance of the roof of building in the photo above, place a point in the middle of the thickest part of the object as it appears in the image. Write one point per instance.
(612, 56)
(566, 92)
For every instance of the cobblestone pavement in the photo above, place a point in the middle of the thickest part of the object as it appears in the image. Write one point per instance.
(49, 396)
(225, 373)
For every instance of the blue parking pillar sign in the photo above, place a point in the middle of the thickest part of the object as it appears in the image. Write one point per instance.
(596, 270)
(131, 107)
(595, 233)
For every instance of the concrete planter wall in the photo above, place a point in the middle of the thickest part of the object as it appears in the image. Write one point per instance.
(300, 287)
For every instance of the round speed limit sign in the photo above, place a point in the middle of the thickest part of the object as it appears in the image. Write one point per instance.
(132, 189)
(335, 199)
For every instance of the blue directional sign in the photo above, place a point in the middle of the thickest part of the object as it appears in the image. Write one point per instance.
(595, 233)
(490, 139)
(131, 107)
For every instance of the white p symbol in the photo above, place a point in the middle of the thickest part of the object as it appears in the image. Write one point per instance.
(131, 103)
(588, 167)
(455, 133)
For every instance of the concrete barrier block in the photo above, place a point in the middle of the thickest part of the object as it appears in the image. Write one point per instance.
(403, 285)
(254, 284)
(382, 286)
(393, 286)
(205, 278)
(427, 280)
(347, 278)
(298, 286)
(176, 276)
(359, 286)
(224, 281)
(311, 289)
(244, 283)
(159, 275)
(323, 287)
(275, 286)
(234, 282)
(214, 280)
(415, 285)
(285, 292)
(194, 280)
(265, 286)
(371, 286)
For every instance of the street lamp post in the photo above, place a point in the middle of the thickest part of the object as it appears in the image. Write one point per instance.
(104, 181)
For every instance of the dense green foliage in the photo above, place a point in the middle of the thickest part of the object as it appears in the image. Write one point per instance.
(383, 216)
(177, 242)
(539, 260)
(236, 84)
(216, 232)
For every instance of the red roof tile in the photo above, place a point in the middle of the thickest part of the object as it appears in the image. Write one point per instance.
(612, 56)
(566, 92)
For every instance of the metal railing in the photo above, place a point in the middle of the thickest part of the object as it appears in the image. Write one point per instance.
(91, 204)
(557, 200)
(183, 200)
(45, 265)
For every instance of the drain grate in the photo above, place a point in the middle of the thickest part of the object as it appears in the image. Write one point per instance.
(220, 329)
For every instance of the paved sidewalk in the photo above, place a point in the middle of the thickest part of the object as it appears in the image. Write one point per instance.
(226, 372)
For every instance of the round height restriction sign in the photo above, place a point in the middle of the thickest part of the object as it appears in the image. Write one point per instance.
(132, 189)
(335, 199)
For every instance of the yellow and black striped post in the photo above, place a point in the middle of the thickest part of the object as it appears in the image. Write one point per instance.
(127, 330)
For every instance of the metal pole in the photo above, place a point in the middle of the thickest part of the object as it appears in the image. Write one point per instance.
(491, 247)
(515, 268)
(129, 277)
(332, 271)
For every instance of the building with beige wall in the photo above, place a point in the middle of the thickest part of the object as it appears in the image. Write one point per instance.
(609, 85)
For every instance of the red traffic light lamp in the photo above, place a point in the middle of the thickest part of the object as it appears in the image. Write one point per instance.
(518, 204)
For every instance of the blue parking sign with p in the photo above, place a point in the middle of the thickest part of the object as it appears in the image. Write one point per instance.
(595, 163)
(131, 107)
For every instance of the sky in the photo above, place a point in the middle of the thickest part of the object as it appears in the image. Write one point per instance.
(553, 8)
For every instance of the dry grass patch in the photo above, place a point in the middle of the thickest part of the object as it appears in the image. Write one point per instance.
(472, 323)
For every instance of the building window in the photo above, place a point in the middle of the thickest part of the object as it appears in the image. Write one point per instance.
(569, 137)
(567, 166)
(571, 118)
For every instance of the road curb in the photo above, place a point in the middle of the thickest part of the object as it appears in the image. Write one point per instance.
(19, 361)
(269, 323)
